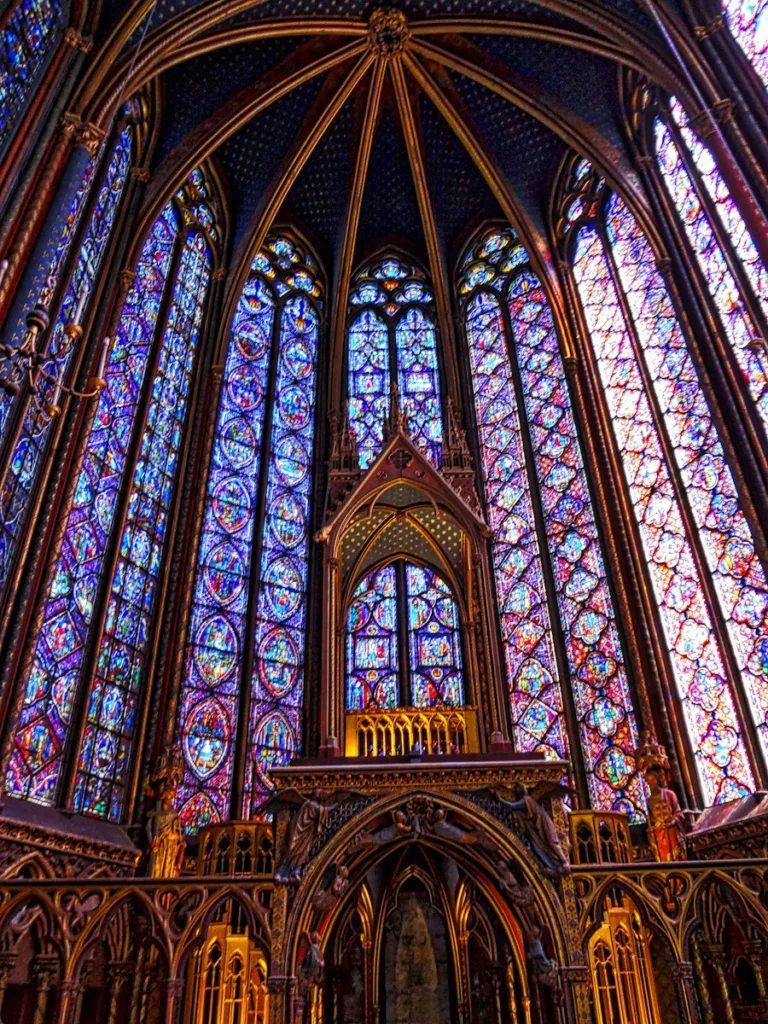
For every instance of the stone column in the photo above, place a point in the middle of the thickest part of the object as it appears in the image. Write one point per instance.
(69, 996)
(576, 982)
(174, 990)
(45, 971)
(682, 974)
(7, 963)
(716, 956)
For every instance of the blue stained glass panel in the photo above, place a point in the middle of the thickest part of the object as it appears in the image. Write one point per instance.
(368, 377)
(419, 381)
(372, 645)
(598, 677)
(25, 458)
(434, 640)
(278, 678)
(113, 702)
(209, 702)
(26, 40)
(536, 700)
(53, 681)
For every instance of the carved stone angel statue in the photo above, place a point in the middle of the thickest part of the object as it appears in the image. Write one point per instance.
(539, 829)
(306, 824)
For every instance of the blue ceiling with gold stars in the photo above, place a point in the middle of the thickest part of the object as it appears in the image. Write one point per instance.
(521, 144)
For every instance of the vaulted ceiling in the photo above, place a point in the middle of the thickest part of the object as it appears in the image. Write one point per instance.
(364, 124)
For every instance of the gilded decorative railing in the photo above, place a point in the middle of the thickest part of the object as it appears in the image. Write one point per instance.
(600, 837)
(392, 731)
(236, 848)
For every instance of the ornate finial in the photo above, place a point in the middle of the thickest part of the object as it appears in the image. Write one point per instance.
(388, 32)
(168, 772)
(397, 419)
(651, 754)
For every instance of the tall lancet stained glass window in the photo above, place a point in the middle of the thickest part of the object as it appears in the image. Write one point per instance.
(402, 607)
(26, 456)
(83, 694)
(246, 645)
(392, 339)
(536, 484)
(29, 32)
(654, 396)
(733, 273)
(747, 22)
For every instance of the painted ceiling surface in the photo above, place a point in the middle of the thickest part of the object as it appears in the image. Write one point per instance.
(522, 146)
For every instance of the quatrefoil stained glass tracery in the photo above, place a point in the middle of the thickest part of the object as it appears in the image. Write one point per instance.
(657, 405)
(553, 476)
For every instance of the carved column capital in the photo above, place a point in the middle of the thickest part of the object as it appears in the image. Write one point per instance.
(710, 28)
(682, 971)
(77, 41)
(83, 133)
(219, 274)
(644, 161)
(140, 174)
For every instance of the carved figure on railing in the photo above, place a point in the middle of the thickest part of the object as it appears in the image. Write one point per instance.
(544, 968)
(518, 895)
(539, 830)
(326, 899)
(666, 823)
(306, 824)
(164, 831)
(311, 971)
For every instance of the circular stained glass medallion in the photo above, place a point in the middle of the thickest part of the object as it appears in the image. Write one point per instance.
(206, 737)
(298, 358)
(291, 460)
(287, 520)
(238, 443)
(244, 385)
(231, 504)
(294, 407)
(285, 587)
(216, 649)
(224, 573)
(278, 661)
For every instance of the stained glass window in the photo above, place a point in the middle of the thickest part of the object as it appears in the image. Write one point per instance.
(747, 22)
(278, 673)
(434, 640)
(46, 715)
(403, 607)
(113, 702)
(52, 710)
(394, 331)
(519, 354)
(373, 661)
(651, 385)
(29, 33)
(368, 354)
(704, 214)
(26, 455)
(275, 330)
